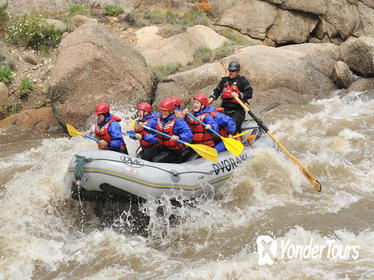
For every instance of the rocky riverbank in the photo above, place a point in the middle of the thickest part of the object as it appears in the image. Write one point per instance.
(292, 51)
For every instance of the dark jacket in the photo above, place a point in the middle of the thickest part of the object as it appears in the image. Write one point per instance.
(244, 87)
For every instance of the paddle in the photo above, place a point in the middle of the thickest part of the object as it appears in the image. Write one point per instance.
(312, 180)
(203, 150)
(233, 146)
(250, 137)
(74, 132)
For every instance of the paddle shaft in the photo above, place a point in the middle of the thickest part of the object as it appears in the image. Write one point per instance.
(164, 134)
(92, 138)
(204, 124)
(312, 180)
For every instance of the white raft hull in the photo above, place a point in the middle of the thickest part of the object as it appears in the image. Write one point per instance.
(122, 174)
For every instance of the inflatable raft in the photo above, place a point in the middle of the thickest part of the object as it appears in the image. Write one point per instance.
(108, 172)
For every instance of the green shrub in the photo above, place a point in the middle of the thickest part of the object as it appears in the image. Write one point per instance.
(6, 75)
(111, 10)
(202, 55)
(162, 72)
(144, 16)
(235, 38)
(225, 50)
(15, 108)
(39, 104)
(26, 85)
(80, 10)
(7, 60)
(32, 31)
(196, 16)
(4, 16)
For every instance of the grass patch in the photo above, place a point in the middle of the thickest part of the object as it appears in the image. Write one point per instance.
(79, 10)
(225, 50)
(4, 15)
(235, 38)
(14, 108)
(202, 55)
(6, 75)
(7, 60)
(112, 10)
(161, 72)
(26, 85)
(32, 31)
(196, 16)
(146, 16)
(39, 104)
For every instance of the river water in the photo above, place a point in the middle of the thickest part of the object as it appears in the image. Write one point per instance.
(46, 235)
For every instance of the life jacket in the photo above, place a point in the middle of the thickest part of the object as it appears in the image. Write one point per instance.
(140, 129)
(164, 141)
(226, 92)
(200, 134)
(223, 131)
(102, 133)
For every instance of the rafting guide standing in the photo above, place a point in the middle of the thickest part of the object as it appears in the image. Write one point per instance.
(230, 86)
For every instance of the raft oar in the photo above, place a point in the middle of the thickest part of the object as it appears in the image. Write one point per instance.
(312, 180)
(249, 139)
(233, 146)
(203, 150)
(74, 132)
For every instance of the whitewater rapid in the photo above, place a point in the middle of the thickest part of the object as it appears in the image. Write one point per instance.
(46, 235)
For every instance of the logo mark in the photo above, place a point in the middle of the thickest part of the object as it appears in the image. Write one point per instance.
(266, 249)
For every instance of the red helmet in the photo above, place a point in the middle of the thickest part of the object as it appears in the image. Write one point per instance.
(201, 98)
(102, 108)
(177, 101)
(145, 107)
(167, 104)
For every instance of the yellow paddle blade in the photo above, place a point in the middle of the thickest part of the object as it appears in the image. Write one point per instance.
(72, 130)
(132, 124)
(233, 146)
(204, 151)
(240, 134)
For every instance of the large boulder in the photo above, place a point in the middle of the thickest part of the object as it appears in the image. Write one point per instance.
(244, 16)
(322, 56)
(39, 120)
(270, 68)
(292, 26)
(366, 11)
(185, 84)
(293, 71)
(343, 16)
(93, 65)
(179, 48)
(362, 84)
(358, 54)
(342, 75)
(314, 7)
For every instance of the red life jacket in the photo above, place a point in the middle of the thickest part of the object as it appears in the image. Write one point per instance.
(103, 134)
(139, 129)
(227, 95)
(200, 134)
(223, 131)
(167, 129)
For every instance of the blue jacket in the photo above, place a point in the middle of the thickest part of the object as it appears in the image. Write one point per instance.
(150, 116)
(115, 131)
(180, 129)
(224, 121)
(208, 118)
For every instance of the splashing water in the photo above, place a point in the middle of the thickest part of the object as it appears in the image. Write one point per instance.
(41, 235)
